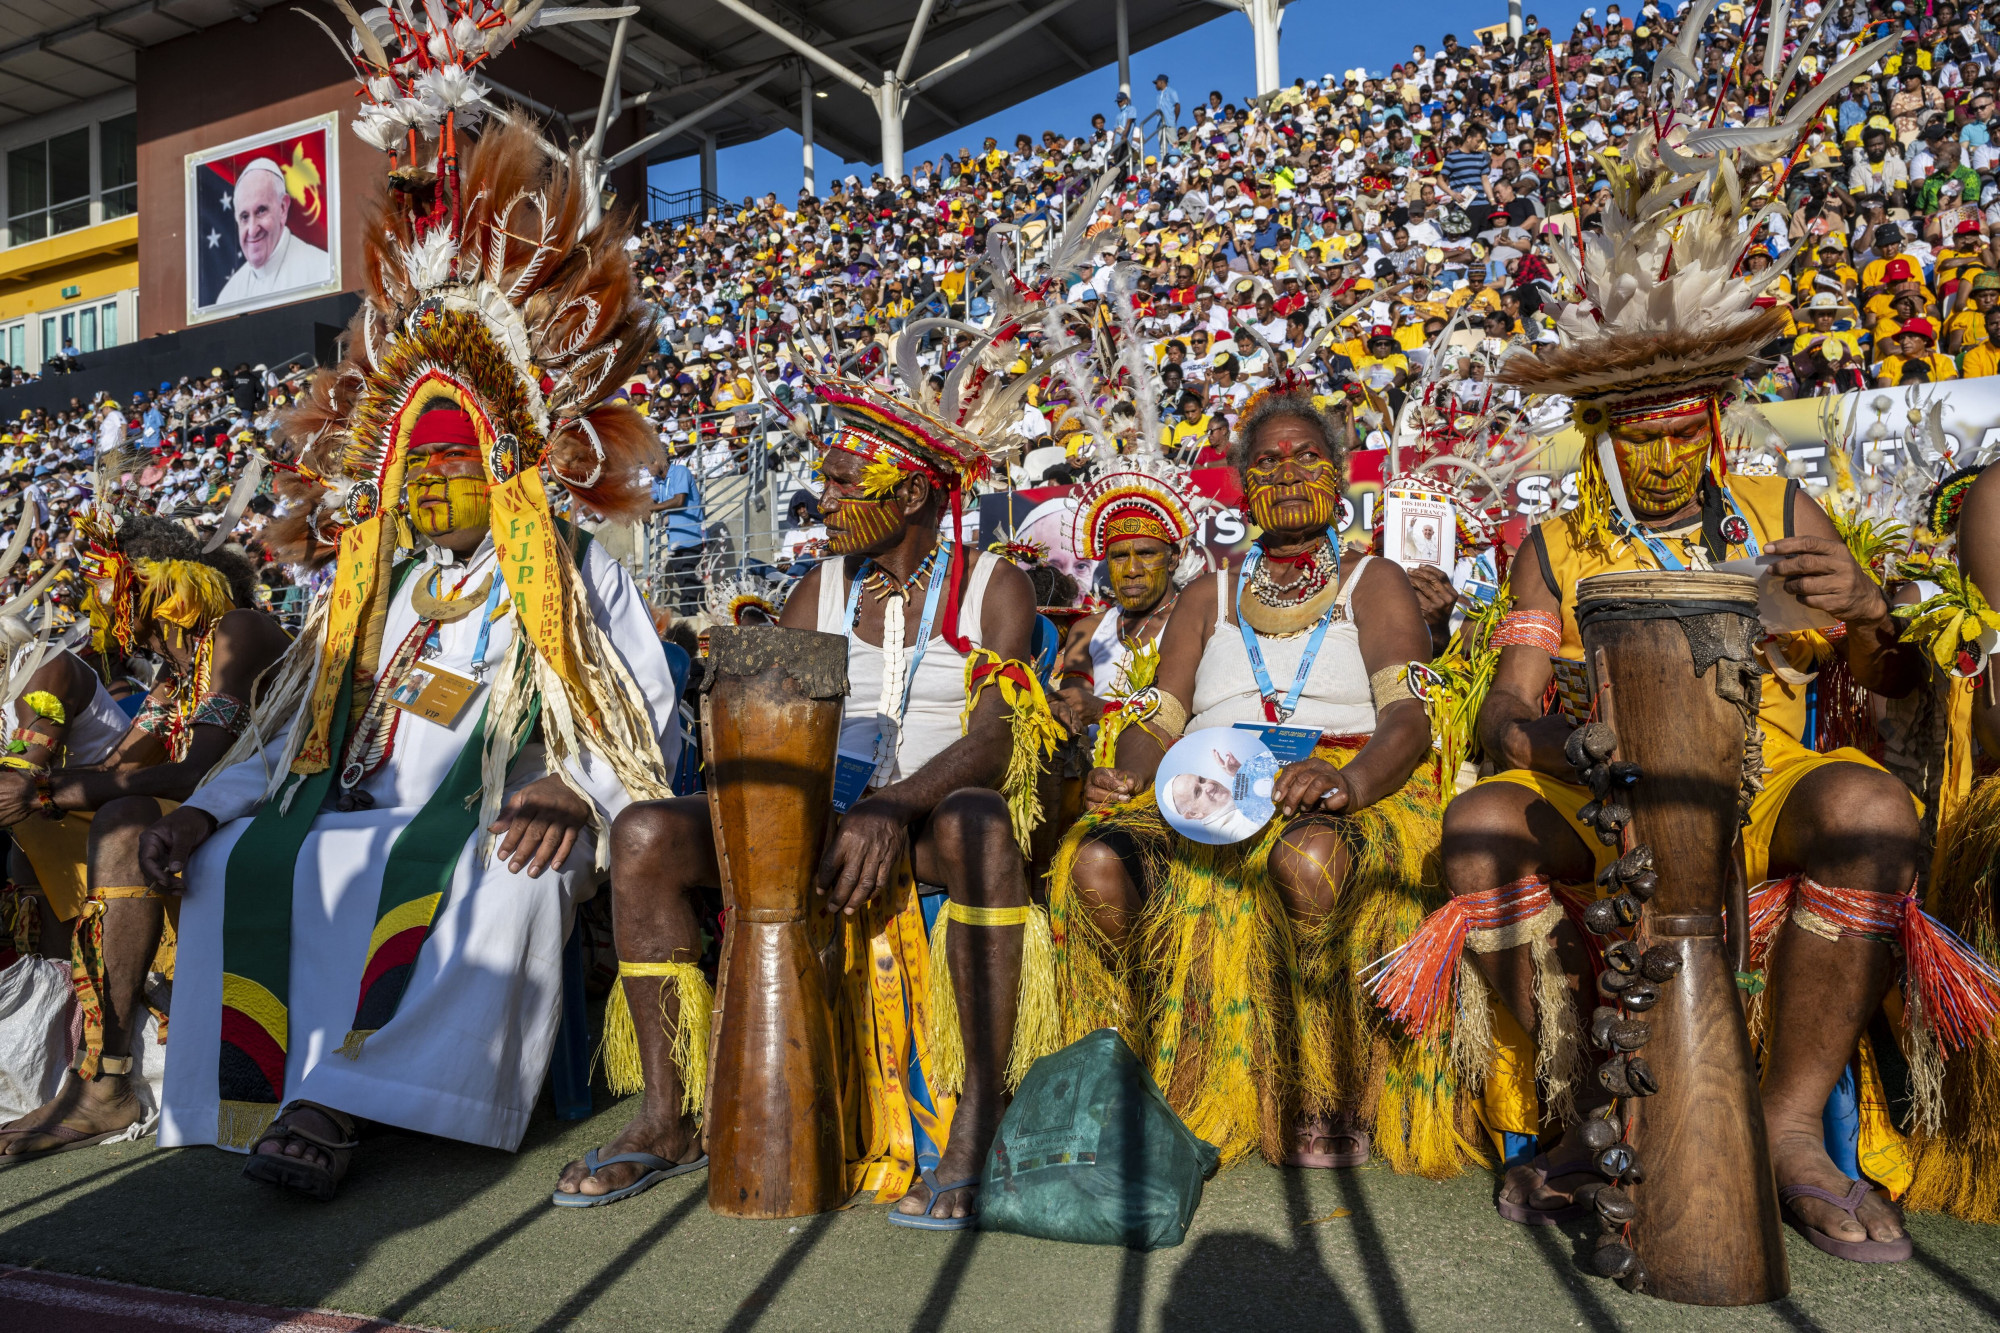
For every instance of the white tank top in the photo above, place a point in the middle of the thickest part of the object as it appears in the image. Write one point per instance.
(937, 696)
(1336, 698)
(94, 734)
(1108, 657)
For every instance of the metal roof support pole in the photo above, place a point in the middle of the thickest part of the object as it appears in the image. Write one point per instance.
(890, 104)
(1264, 17)
(609, 97)
(1125, 50)
(800, 45)
(708, 164)
(1514, 19)
(806, 122)
(692, 118)
(593, 152)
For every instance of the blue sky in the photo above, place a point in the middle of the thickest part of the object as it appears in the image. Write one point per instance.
(1318, 36)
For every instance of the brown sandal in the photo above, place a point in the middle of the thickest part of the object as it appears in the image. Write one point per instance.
(68, 1138)
(299, 1173)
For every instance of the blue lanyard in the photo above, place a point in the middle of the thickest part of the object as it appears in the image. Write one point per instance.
(493, 597)
(923, 629)
(1668, 560)
(1255, 650)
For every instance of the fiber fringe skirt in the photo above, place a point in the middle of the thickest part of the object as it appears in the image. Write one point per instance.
(1957, 1169)
(1247, 1017)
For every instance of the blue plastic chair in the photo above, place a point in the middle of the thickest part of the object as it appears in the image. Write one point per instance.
(1045, 644)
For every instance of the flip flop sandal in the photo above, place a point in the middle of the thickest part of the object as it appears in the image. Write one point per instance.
(924, 1221)
(1854, 1251)
(1358, 1155)
(318, 1180)
(657, 1170)
(1545, 1170)
(71, 1139)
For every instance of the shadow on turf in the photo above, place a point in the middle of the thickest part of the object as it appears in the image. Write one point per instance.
(1239, 1279)
(208, 1230)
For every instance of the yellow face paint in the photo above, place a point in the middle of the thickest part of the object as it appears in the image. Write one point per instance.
(1140, 571)
(856, 523)
(1661, 462)
(1296, 494)
(439, 504)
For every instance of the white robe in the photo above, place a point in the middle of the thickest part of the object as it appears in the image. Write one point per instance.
(466, 1053)
(293, 265)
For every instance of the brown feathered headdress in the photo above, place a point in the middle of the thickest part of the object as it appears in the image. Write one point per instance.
(492, 286)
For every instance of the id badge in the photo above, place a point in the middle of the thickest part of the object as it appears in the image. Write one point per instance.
(850, 779)
(435, 693)
(1288, 745)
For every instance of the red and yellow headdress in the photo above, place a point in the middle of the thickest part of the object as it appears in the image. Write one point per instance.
(897, 439)
(1662, 325)
(1146, 497)
(125, 593)
(492, 288)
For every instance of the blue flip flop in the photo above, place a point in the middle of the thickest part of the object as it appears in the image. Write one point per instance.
(657, 1170)
(924, 1221)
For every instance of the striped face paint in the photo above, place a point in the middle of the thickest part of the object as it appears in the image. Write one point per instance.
(1660, 460)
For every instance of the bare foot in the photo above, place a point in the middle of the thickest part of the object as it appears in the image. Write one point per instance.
(1328, 1141)
(676, 1142)
(964, 1157)
(99, 1106)
(1572, 1165)
(1798, 1157)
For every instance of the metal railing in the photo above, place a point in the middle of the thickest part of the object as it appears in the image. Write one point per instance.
(680, 205)
(732, 455)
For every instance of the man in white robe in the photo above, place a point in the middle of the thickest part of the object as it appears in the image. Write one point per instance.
(274, 260)
(468, 1046)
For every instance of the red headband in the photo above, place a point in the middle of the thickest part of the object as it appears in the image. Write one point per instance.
(444, 425)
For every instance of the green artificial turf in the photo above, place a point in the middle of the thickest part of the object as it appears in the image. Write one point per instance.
(439, 1233)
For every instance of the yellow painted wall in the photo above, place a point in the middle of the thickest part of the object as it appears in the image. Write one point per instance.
(102, 260)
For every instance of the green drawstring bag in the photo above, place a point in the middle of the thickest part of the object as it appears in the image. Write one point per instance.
(1090, 1152)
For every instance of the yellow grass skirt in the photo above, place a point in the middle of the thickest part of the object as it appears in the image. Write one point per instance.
(1958, 1167)
(1247, 1018)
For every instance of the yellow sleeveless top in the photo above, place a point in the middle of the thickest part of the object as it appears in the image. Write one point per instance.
(1764, 503)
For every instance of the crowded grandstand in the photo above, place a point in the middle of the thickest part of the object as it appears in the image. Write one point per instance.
(1389, 235)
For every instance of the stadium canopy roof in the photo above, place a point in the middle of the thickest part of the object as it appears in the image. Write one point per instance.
(722, 66)
(682, 56)
(56, 53)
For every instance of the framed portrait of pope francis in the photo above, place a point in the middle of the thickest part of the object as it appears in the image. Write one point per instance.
(263, 220)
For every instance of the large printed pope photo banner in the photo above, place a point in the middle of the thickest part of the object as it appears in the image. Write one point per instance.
(1877, 425)
(263, 220)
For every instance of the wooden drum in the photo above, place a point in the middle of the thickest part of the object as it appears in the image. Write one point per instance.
(771, 725)
(1677, 651)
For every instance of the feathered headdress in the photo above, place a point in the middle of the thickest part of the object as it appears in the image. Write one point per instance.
(491, 288)
(896, 439)
(1664, 323)
(731, 600)
(1146, 496)
(125, 592)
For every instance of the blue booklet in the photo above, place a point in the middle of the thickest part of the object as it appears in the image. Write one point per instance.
(1288, 745)
(850, 779)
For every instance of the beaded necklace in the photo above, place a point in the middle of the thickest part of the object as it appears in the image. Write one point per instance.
(1314, 576)
(190, 689)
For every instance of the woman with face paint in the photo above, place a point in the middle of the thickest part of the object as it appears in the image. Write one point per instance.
(1137, 520)
(1270, 1050)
